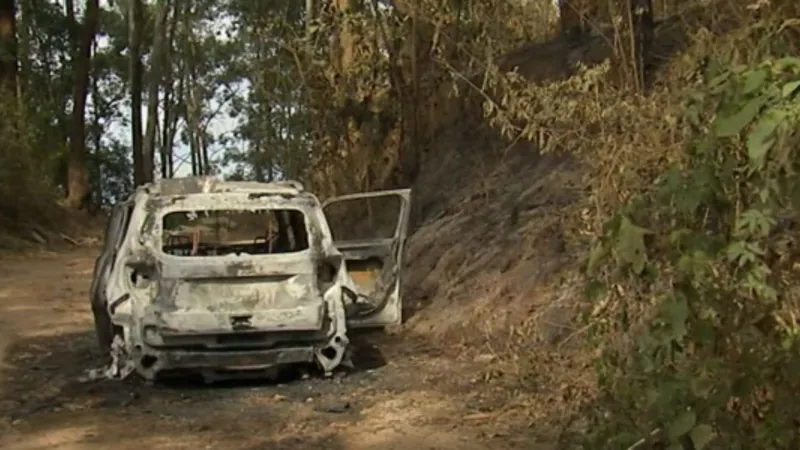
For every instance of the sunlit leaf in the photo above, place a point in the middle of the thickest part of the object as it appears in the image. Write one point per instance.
(631, 246)
(761, 138)
(716, 84)
(596, 255)
(702, 386)
(787, 62)
(732, 125)
(681, 425)
(790, 88)
(701, 435)
(674, 311)
(754, 80)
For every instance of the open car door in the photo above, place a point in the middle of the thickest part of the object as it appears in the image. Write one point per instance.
(370, 230)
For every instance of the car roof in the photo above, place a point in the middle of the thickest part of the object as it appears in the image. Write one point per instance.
(211, 185)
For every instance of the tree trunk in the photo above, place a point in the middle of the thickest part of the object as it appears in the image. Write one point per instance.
(194, 150)
(346, 38)
(165, 128)
(180, 108)
(77, 170)
(168, 129)
(309, 17)
(409, 158)
(135, 14)
(192, 130)
(72, 29)
(576, 16)
(255, 160)
(8, 48)
(193, 127)
(204, 151)
(643, 34)
(148, 153)
(97, 128)
(173, 130)
(191, 94)
(24, 48)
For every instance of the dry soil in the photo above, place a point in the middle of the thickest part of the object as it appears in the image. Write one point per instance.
(404, 394)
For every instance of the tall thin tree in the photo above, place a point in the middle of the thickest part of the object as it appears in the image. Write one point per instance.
(8, 46)
(135, 16)
(77, 170)
(156, 62)
(169, 123)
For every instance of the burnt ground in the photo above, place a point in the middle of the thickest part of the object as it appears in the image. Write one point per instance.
(405, 393)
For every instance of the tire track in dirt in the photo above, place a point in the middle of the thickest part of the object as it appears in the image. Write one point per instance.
(418, 399)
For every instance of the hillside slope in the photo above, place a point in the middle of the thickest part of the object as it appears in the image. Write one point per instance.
(488, 230)
(493, 258)
(487, 212)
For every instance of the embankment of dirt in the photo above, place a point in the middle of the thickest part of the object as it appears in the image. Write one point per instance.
(488, 235)
(492, 260)
(56, 227)
(488, 260)
(488, 239)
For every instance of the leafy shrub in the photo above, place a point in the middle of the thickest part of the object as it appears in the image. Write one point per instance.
(701, 271)
(25, 190)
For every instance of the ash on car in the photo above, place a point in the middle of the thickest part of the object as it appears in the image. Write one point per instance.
(236, 278)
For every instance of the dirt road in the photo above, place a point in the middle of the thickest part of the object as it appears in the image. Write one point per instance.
(403, 395)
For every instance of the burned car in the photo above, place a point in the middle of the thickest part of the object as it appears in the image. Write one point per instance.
(234, 277)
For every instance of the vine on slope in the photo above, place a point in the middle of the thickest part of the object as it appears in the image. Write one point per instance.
(701, 274)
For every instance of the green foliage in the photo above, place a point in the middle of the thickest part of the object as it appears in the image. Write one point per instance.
(110, 172)
(708, 271)
(274, 115)
(25, 190)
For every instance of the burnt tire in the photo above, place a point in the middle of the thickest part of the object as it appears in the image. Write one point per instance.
(103, 328)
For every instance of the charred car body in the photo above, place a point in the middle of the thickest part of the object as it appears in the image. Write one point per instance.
(225, 278)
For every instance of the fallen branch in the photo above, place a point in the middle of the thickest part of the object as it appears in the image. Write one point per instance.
(643, 440)
(69, 239)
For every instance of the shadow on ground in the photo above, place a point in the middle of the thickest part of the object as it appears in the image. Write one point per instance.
(43, 374)
(41, 389)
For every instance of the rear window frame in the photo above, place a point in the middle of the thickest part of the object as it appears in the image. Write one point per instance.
(153, 230)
